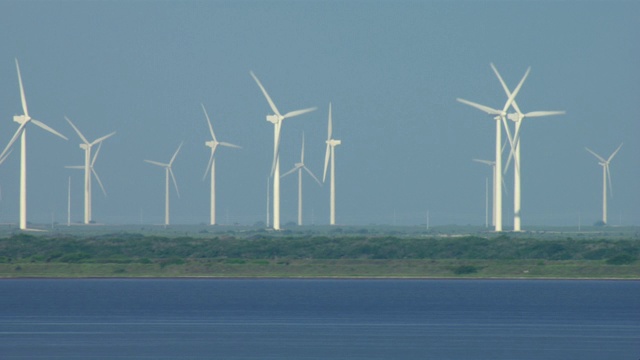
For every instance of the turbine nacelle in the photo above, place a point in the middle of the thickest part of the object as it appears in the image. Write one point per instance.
(84, 146)
(333, 142)
(515, 117)
(274, 119)
(21, 119)
(211, 143)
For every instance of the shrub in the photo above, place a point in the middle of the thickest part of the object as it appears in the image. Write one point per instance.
(172, 261)
(234, 261)
(74, 257)
(465, 269)
(622, 259)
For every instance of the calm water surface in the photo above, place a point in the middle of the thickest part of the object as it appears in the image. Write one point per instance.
(319, 319)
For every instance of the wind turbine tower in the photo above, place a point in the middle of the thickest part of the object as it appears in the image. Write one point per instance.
(213, 144)
(606, 175)
(88, 168)
(330, 153)
(299, 167)
(276, 120)
(500, 116)
(493, 203)
(168, 172)
(23, 120)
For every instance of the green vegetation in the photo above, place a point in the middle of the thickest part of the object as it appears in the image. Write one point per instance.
(355, 254)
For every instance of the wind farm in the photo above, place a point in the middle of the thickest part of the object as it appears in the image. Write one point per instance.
(423, 172)
(408, 141)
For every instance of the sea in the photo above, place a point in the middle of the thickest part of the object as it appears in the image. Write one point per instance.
(319, 319)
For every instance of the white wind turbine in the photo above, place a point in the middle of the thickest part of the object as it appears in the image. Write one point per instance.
(500, 117)
(330, 152)
(168, 172)
(89, 168)
(606, 175)
(23, 120)
(517, 118)
(493, 171)
(299, 167)
(213, 144)
(276, 120)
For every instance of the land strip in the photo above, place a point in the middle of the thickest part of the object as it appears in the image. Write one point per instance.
(359, 256)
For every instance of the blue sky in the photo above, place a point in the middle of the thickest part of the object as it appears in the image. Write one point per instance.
(392, 71)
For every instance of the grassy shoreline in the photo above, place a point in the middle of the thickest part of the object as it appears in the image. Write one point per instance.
(418, 269)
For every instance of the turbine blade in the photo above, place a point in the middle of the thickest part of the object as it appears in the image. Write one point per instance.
(326, 162)
(18, 132)
(84, 139)
(2, 159)
(157, 163)
(504, 187)
(515, 92)
(22, 97)
(506, 166)
(487, 162)
(101, 139)
(614, 153)
(505, 88)
(544, 113)
(329, 132)
(99, 181)
(302, 152)
(95, 155)
(206, 171)
(298, 112)
(46, 127)
(596, 155)
(266, 95)
(511, 143)
(229, 145)
(312, 175)
(213, 135)
(175, 154)
(488, 110)
(290, 171)
(175, 184)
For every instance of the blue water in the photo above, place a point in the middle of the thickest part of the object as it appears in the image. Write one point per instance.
(319, 319)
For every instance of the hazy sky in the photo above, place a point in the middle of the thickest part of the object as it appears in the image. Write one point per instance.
(392, 70)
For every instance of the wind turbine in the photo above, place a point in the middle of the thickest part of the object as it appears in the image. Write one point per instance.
(276, 120)
(493, 167)
(330, 152)
(517, 118)
(213, 144)
(500, 117)
(88, 168)
(606, 174)
(299, 167)
(23, 120)
(168, 172)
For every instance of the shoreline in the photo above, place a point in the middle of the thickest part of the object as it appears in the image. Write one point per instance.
(320, 278)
